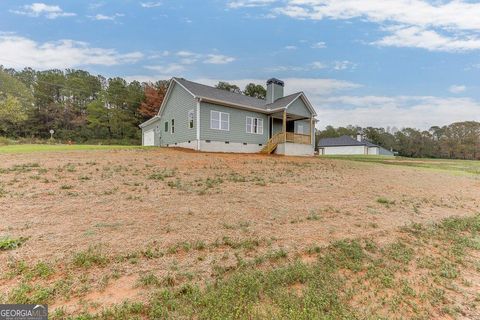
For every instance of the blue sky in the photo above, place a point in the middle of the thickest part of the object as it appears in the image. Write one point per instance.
(381, 63)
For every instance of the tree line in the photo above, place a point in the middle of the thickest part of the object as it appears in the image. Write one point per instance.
(82, 107)
(460, 140)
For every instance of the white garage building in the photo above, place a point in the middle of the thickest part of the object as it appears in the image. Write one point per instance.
(346, 145)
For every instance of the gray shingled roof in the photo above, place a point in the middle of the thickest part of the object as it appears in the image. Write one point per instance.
(344, 141)
(225, 96)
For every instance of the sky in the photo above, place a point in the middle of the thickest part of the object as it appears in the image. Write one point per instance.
(381, 63)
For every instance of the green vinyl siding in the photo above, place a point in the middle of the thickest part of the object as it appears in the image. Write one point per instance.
(238, 119)
(277, 126)
(179, 103)
(299, 108)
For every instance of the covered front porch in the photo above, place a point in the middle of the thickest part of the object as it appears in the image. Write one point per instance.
(287, 130)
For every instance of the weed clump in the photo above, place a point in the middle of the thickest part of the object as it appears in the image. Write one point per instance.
(162, 175)
(7, 243)
(90, 257)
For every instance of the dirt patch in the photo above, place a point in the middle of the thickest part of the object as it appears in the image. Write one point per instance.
(122, 289)
(186, 215)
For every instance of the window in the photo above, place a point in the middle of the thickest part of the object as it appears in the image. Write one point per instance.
(166, 126)
(173, 125)
(254, 125)
(300, 129)
(190, 119)
(219, 120)
(249, 125)
(259, 126)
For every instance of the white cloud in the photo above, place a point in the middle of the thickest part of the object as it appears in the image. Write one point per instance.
(96, 5)
(186, 54)
(457, 14)
(100, 17)
(147, 78)
(400, 111)
(319, 45)
(188, 57)
(178, 63)
(150, 4)
(433, 25)
(343, 65)
(428, 39)
(172, 68)
(285, 69)
(20, 52)
(160, 54)
(218, 59)
(335, 65)
(291, 47)
(249, 3)
(457, 89)
(313, 87)
(188, 60)
(39, 9)
(318, 65)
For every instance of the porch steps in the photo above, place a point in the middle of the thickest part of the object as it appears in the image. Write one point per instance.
(273, 143)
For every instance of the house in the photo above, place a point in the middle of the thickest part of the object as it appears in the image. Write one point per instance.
(346, 145)
(205, 118)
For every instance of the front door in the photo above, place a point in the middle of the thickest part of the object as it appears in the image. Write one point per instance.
(290, 126)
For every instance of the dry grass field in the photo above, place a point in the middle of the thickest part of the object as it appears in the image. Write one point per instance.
(142, 233)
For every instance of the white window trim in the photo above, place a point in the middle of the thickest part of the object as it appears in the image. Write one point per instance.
(254, 127)
(258, 120)
(251, 124)
(220, 120)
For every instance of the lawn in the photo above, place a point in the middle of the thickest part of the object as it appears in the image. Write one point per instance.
(155, 233)
(27, 148)
(465, 166)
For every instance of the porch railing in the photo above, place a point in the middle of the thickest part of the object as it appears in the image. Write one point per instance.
(298, 138)
(282, 137)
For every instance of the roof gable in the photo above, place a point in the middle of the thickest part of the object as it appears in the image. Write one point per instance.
(170, 90)
(299, 107)
(287, 101)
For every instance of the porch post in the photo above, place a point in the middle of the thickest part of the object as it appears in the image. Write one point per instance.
(284, 128)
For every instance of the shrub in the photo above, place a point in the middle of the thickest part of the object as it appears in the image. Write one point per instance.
(8, 243)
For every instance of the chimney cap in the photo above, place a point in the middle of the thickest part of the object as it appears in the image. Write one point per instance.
(275, 81)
